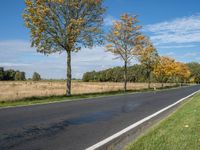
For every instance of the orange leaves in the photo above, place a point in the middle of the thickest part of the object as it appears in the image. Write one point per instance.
(117, 25)
(140, 38)
(164, 68)
(124, 37)
(168, 68)
(28, 2)
(36, 12)
(147, 55)
(73, 30)
(182, 71)
(58, 1)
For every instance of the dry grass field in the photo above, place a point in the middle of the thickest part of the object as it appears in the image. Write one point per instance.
(13, 90)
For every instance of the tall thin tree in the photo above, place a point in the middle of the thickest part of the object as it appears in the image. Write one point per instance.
(148, 57)
(64, 26)
(123, 39)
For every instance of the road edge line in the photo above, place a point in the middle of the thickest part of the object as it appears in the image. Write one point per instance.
(129, 128)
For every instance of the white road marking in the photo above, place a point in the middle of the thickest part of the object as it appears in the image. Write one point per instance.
(129, 128)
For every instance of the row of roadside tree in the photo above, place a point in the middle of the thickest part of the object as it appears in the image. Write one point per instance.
(67, 26)
(137, 73)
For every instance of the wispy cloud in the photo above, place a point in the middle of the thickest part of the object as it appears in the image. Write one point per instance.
(191, 55)
(15, 45)
(176, 46)
(170, 54)
(109, 20)
(182, 30)
(14, 64)
(17, 54)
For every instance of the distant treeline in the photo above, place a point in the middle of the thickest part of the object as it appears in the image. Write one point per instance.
(11, 75)
(135, 73)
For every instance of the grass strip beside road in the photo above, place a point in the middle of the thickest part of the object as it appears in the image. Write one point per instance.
(180, 131)
(62, 98)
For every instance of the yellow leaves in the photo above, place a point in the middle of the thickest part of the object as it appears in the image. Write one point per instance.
(164, 68)
(169, 68)
(57, 1)
(116, 33)
(36, 13)
(109, 47)
(125, 17)
(93, 2)
(140, 38)
(27, 24)
(73, 30)
(148, 55)
(123, 38)
(34, 17)
(28, 3)
(182, 71)
(117, 25)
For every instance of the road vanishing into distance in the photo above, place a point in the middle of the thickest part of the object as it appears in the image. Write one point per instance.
(76, 125)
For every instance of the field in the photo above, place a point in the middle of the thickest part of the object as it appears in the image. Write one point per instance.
(180, 131)
(13, 90)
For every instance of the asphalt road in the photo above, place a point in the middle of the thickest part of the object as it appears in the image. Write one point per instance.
(77, 125)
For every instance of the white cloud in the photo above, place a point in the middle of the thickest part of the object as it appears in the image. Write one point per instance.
(17, 54)
(181, 30)
(108, 21)
(190, 55)
(15, 45)
(176, 46)
(170, 54)
(13, 64)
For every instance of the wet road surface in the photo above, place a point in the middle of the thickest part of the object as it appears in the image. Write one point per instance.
(77, 125)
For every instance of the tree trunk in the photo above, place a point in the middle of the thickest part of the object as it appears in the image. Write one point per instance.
(149, 80)
(69, 74)
(125, 76)
(162, 84)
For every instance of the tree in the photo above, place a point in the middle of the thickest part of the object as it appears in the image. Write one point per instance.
(20, 76)
(1, 73)
(123, 39)
(9, 75)
(148, 57)
(164, 69)
(194, 68)
(23, 76)
(36, 76)
(17, 76)
(64, 25)
(181, 72)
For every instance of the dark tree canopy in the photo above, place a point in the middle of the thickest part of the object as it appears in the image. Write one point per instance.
(19, 76)
(11, 75)
(36, 76)
(1, 73)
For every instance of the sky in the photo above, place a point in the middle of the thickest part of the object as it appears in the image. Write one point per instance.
(172, 25)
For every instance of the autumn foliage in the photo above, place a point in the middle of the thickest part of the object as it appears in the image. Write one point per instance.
(168, 69)
(68, 25)
(64, 26)
(148, 57)
(123, 39)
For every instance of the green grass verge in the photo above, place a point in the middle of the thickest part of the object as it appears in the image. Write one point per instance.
(180, 131)
(50, 99)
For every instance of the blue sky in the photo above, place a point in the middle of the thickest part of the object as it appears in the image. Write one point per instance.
(173, 26)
